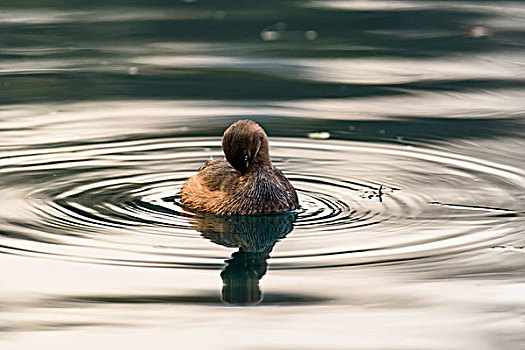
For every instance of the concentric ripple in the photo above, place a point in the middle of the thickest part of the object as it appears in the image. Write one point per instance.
(116, 203)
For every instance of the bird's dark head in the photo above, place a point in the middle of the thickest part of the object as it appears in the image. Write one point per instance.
(244, 144)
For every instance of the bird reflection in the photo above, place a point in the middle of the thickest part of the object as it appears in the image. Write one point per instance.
(255, 236)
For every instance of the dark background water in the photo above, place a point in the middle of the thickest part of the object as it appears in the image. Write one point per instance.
(106, 108)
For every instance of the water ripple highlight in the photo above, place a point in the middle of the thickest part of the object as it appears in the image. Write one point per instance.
(116, 203)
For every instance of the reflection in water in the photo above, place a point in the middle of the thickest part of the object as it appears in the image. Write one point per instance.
(255, 236)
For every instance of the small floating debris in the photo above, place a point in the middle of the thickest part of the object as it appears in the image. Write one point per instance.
(377, 193)
(323, 135)
(280, 31)
(477, 32)
(310, 34)
(270, 35)
(133, 70)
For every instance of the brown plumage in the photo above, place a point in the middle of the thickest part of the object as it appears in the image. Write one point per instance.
(245, 183)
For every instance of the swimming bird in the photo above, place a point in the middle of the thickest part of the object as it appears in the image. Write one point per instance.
(244, 182)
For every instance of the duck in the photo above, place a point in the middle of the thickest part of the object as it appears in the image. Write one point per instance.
(244, 182)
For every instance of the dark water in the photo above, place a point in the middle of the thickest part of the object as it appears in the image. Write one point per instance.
(400, 123)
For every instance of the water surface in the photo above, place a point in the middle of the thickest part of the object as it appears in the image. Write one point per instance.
(400, 123)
